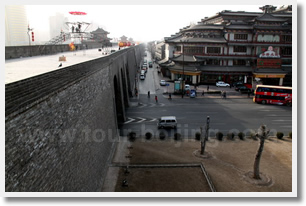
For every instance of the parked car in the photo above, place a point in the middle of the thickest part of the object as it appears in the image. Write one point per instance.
(187, 87)
(222, 84)
(238, 87)
(150, 65)
(162, 82)
(167, 121)
(244, 89)
(235, 84)
(142, 77)
(193, 93)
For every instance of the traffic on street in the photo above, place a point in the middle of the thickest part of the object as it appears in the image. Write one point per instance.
(234, 113)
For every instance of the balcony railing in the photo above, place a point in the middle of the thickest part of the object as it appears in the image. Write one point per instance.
(258, 42)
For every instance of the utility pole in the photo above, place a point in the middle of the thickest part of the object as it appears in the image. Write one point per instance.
(203, 140)
(30, 29)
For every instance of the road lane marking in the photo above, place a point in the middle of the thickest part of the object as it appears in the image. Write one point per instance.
(142, 119)
(130, 120)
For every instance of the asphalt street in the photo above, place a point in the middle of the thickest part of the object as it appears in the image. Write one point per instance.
(234, 114)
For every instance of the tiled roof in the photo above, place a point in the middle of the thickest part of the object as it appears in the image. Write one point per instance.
(198, 40)
(186, 58)
(225, 68)
(269, 17)
(205, 26)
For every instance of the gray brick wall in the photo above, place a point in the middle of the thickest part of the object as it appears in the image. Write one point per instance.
(63, 138)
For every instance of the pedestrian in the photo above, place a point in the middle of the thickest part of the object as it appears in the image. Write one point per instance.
(207, 87)
(230, 85)
(249, 93)
(203, 93)
(136, 92)
(224, 94)
(156, 100)
(170, 96)
(148, 94)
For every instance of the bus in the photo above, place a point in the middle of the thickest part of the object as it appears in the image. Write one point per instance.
(266, 94)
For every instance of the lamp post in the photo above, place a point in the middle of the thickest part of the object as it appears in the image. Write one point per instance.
(203, 140)
(183, 78)
(29, 29)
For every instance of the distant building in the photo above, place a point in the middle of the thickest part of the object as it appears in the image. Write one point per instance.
(57, 24)
(99, 37)
(233, 46)
(123, 39)
(16, 26)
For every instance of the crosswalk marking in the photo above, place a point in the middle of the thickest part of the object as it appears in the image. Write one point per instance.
(137, 120)
(150, 105)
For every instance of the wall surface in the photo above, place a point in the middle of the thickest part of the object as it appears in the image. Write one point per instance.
(61, 127)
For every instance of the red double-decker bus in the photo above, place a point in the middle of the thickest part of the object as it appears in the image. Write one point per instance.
(266, 94)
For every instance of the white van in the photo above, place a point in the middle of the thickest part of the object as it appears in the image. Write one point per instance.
(167, 121)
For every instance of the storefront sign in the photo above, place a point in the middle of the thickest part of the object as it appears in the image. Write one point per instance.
(269, 63)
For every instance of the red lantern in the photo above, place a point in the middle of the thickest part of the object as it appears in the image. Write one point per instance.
(128, 44)
(124, 44)
(32, 36)
(121, 44)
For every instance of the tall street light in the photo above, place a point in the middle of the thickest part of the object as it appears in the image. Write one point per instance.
(29, 30)
(183, 79)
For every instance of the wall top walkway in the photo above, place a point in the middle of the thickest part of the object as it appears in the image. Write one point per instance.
(22, 68)
(27, 91)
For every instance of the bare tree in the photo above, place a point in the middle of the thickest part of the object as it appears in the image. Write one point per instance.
(262, 134)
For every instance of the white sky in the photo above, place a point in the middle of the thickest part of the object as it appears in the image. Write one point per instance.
(140, 22)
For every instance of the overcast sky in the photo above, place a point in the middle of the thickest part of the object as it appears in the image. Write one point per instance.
(140, 22)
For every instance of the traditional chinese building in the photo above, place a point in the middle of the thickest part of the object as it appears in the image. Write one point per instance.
(233, 46)
(99, 37)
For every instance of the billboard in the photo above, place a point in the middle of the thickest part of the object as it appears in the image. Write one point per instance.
(269, 63)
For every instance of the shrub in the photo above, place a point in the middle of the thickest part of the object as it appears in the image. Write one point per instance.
(177, 136)
(198, 136)
(241, 135)
(230, 136)
(290, 135)
(148, 135)
(219, 136)
(162, 135)
(279, 135)
(253, 136)
(132, 136)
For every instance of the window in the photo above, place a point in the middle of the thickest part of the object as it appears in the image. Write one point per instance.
(193, 50)
(213, 62)
(178, 48)
(239, 62)
(240, 49)
(213, 50)
(287, 51)
(241, 36)
(287, 38)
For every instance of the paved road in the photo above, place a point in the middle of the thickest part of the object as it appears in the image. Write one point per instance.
(226, 115)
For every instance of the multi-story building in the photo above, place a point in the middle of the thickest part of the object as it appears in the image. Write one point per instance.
(16, 26)
(233, 46)
(57, 24)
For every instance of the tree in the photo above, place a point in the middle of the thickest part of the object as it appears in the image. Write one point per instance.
(262, 134)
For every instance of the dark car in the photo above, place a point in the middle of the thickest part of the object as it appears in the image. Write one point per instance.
(237, 87)
(243, 89)
(235, 84)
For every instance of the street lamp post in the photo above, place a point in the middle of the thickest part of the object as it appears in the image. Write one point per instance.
(183, 79)
(203, 140)
(29, 29)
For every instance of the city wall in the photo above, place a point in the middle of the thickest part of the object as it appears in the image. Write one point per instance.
(61, 127)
